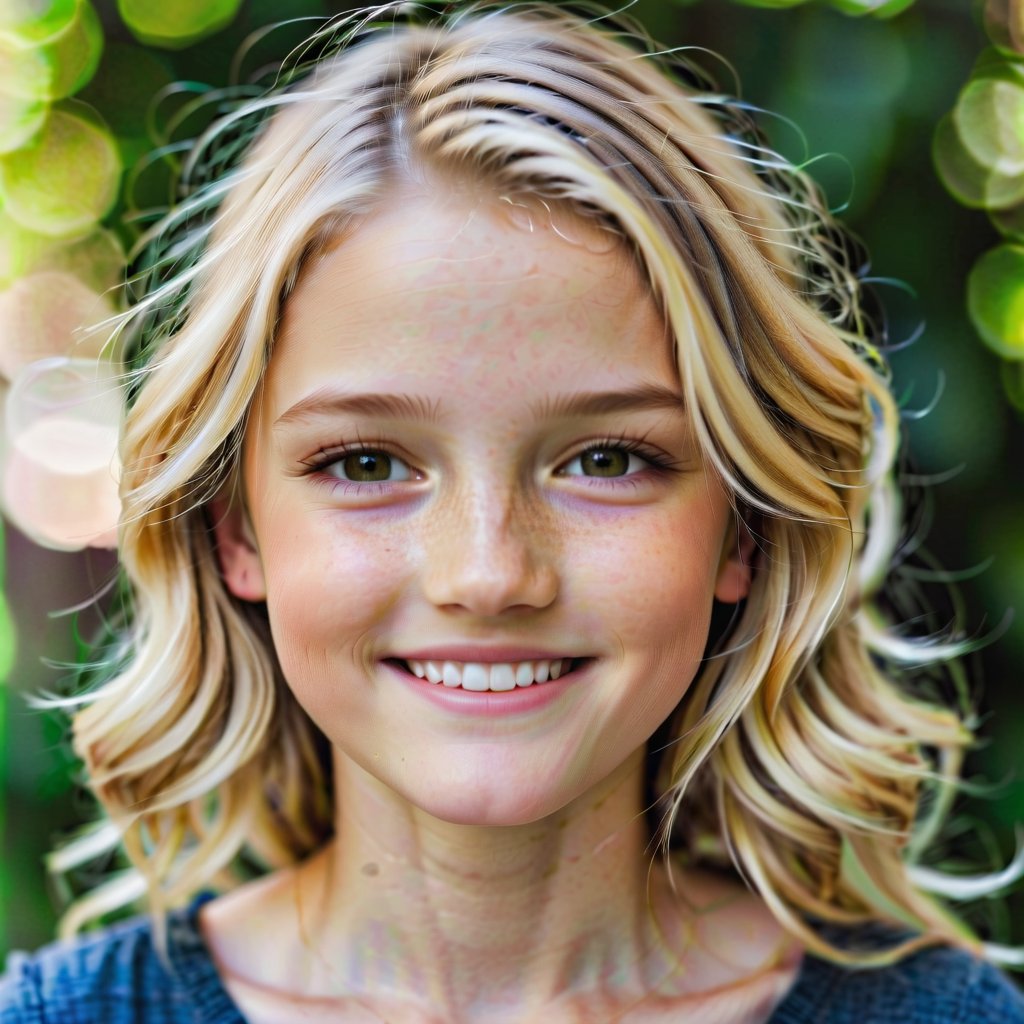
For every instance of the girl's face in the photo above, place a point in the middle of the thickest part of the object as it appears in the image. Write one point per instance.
(471, 433)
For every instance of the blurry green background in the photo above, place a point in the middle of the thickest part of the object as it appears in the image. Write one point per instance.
(867, 93)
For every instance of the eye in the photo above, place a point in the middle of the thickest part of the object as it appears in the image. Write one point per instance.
(606, 460)
(364, 466)
(364, 469)
(612, 458)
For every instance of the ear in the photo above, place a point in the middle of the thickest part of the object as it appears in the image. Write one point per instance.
(735, 567)
(236, 549)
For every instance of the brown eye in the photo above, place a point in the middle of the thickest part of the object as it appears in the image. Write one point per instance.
(612, 459)
(604, 461)
(367, 466)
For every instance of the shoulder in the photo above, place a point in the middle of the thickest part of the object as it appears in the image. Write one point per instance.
(114, 976)
(938, 985)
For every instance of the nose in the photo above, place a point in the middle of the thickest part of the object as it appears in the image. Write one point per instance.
(490, 550)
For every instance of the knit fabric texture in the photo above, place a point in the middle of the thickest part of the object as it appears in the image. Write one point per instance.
(115, 977)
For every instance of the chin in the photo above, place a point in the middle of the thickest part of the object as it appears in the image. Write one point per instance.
(490, 805)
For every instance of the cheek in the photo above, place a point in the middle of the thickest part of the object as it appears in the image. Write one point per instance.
(328, 591)
(659, 600)
(655, 573)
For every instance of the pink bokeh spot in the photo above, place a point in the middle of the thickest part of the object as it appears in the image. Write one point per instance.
(60, 472)
(49, 313)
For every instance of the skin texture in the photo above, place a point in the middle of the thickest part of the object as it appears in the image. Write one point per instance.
(485, 869)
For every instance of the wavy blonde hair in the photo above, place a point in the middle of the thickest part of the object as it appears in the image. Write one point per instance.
(802, 755)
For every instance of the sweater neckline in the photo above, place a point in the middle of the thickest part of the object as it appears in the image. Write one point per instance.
(193, 964)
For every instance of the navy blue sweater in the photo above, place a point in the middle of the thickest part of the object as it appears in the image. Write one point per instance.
(115, 977)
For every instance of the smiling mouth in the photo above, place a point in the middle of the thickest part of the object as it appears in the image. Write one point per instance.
(489, 678)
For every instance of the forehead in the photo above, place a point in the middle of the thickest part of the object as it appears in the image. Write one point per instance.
(459, 290)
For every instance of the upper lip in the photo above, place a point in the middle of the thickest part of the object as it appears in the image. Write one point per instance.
(473, 652)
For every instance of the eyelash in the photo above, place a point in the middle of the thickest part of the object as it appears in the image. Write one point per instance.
(660, 463)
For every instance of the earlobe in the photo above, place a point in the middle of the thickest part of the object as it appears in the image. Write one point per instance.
(735, 567)
(237, 553)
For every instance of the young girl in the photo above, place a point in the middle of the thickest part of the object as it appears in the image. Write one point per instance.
(507, 489)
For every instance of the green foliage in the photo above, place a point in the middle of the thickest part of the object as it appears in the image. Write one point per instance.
(65, 180)
(970, 181)
(31, 22)
(1009, 222)
(174, 26)
(1004, 25)
(773, 3)
(1012, 374)
(124, 88)
(20, 119)
(879, 8)
(853, 8)
(852, 108)
(7, 652)
(978, 151)
(58, 66)
(7, 647)
(995, 299)
(97, 260)
(989, 121)
(6, 662)
(6, 639)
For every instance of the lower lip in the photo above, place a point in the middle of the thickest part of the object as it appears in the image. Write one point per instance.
(491, 703)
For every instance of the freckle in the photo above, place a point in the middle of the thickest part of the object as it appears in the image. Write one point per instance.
(573, 858)
(370, 869)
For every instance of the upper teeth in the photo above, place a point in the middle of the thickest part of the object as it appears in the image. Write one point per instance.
(501, 675)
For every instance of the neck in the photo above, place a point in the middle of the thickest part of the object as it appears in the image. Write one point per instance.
(481, 921)
(407, 917)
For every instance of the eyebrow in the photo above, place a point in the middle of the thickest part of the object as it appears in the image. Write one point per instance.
(328, 402)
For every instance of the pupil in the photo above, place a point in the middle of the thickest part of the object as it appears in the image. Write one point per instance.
(376, 466)
(603, 461)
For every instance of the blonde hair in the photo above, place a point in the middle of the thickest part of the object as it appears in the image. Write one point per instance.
(801, 754)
